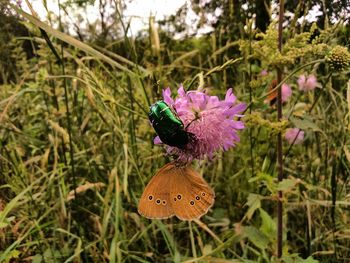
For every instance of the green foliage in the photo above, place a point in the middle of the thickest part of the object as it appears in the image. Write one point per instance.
(294, 48)
(76, 150)
(12, 52)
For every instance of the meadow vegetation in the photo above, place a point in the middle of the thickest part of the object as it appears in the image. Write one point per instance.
(76, 146)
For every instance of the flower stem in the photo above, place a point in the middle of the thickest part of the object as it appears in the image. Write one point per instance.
(279, 138)
(251, 139)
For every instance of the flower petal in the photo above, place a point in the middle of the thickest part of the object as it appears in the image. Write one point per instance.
(311, 82)
(301, 82)
(286, 92)
(235, 109)
(230, 98)
(157, 140)
(167, 96)
(181, 91)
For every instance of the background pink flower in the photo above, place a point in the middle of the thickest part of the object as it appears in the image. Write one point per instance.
(294, 135)
(264, 73)
(286, 92)
(209, 119)
(307, 83)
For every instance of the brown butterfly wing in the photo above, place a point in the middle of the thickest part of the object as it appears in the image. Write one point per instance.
(190, 195)
(272, 98)
(155, 202)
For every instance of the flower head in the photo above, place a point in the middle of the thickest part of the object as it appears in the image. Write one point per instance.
(294, 135)
(339, 58)
(307, 83)
(286, 92)
(264, 73)
(209, 121)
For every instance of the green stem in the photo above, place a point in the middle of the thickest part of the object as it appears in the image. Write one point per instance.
(250, 101)
(66, 100)
(194, 252)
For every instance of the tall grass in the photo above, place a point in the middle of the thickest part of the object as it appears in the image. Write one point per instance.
(77, 150)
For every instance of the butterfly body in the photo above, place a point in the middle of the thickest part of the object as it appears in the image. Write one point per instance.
(176, 190)
(168, 125)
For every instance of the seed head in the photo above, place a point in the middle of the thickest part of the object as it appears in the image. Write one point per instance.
(339, 58)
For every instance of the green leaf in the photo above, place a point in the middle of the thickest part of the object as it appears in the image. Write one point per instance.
(268, 226)
(294, 258)
(3, 224)
(207, 249)
(14, 254)
(266, 179)
(305, 124)
(37, 258)
(310, 260)
(248, 261)
(177, 257)
(287, 184)
(254, 203)
(255, 236)
(50, 254)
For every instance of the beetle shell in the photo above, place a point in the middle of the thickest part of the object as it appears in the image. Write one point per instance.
(168, 125)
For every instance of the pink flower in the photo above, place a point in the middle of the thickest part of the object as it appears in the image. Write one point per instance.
(209, 119)
(307, 83)
(294, 136)
(264, 73)
(286, 92)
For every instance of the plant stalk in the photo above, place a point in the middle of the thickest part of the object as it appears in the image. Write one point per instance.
(279, 138)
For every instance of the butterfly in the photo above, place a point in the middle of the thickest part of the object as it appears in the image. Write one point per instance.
(176, 190)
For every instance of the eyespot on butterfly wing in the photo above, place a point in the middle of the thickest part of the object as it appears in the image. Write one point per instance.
(184, 192)
(190, 195)
(154, 202)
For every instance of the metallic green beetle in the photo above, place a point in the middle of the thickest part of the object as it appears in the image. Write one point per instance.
(168, 125)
